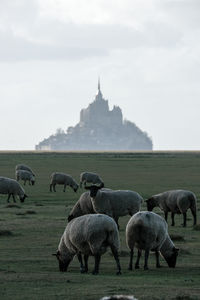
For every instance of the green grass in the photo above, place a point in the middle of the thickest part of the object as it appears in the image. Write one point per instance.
(30, 232)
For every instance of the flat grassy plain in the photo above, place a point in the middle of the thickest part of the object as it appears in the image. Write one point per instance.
(30, 232)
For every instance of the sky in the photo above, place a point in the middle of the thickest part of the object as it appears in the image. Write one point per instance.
(146, 52)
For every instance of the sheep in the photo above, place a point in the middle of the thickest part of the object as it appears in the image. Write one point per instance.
(114, 203)
(12, 187)
(89, 177)
(83, 206)
(174, 201)
(89, 235)
(25, 176)
(62, 178)
(24, 167)
(149, 231)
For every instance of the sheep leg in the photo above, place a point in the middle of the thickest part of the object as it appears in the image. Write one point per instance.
(54, 187)
(64, 188)
(86, 262)
(146, 256)
(138, 259)
(172, 216)
(157, 259)
(184, 219)
(82, 269)
(8, 197)
(97, 258)
(130, 267)
(116, 257)
(193, 211)
(13, 197)
(166, 215)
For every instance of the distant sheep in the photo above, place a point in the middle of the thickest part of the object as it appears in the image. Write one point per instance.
(115, 203)
(89, 177)
(25, 176)
(62, 178)
(82, 207)
(24, 167)
(11, 187)
(89, 235)
(176, 202)
(148, 231)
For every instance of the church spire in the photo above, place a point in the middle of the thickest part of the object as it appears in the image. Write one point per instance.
(99, 84)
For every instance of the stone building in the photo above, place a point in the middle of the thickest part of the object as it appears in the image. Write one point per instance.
(99, 129)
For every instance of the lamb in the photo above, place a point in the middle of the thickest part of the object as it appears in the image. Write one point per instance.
(62, 178)
(24, 167)
(174, 201)
(25, 176)
(12, 187)
(82, 207)
(115, 203)
(89, 177)
(148, 231)
(89, 235)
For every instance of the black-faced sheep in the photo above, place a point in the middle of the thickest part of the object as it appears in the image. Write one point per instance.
(12, 187)
(83, 206)
(62, 178)
(115, 203)
(176, 202)
(25, 176)
(89, 235)
(89, 177)
(148, 231)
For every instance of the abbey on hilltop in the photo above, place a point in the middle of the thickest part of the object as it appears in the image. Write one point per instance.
(99, 129)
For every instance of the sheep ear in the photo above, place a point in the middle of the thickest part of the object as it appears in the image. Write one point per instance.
(87, 187)
(54, 254)
(25, 196)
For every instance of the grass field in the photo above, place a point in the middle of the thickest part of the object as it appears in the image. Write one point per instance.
(30, 232)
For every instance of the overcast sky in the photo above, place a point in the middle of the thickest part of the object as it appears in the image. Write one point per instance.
(146, 52)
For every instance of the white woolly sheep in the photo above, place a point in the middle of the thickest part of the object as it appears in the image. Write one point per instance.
(148, 231)
(89, 177)
(89, 235)
(12, 187)
(83, 206)
(115, 203)
(25, 176)
(176, 202)
(62, 178)
(24, 167)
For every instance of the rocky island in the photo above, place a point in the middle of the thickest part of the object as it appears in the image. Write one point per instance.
(99, 129)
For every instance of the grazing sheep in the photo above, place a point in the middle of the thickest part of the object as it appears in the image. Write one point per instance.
(176, 202)
(12, 187)
(89, 235)
(25, 176)
(115, 203)
(62, 178)
(89, 177)
(83, 206)
(24, 167)
(148, 231)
